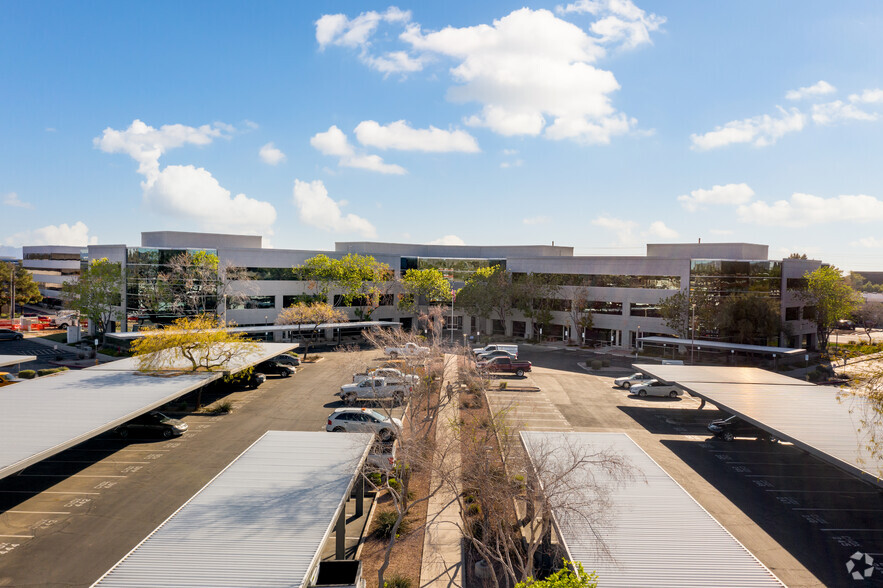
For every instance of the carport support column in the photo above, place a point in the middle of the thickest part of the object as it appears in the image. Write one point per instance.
(340, 535)
(360, 496)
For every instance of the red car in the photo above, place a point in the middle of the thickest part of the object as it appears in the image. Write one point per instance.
(504, 365)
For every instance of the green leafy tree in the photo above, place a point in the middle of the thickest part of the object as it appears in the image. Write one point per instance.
(678, 312)
(534, 295)
(360, 280)
(420, 287)
(748, 318)
(580, 315)
(571, 575)
(13, 276)
(97, 293)
(832, 297)
(488, 291)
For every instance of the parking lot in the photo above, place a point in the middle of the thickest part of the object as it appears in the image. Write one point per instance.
(68, 519)
(44, 354)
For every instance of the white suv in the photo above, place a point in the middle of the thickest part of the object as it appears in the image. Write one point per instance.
(363, 420)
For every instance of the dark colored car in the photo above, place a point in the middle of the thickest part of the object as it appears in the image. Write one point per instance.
(271, 366)
(287, 359)
(152, 423)
(10, 335)
(729, 429)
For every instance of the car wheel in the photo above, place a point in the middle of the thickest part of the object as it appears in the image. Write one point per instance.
(642, 393)
(385, 434)
(19, 337)
(728, 436)
(123, 433)
(349, 399)
(627, 385)
(287, 374)
(167, 433)
(62, 326)
(338, 430)
(519, 373)
(672, 394)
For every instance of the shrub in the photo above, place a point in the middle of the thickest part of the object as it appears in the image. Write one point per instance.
(397, 581)
(375, 478)
(503, 385)
(473, 510)
(605, 363)
(596, 364)
(49, 371)
(564, 578)
(385, 520)
(395, 484)
(27, 374)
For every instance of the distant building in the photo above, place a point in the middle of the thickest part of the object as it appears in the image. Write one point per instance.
(51, 266)
(624, 292)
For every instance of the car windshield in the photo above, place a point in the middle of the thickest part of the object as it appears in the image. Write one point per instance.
(160, 417)
(636, 376)
(732, 420)
(376, 415)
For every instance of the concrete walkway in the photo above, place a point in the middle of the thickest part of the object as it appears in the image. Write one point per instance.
(442, 542)
(71, 349)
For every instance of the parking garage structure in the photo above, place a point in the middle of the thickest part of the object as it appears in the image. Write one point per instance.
(262, 521)
(820, 420)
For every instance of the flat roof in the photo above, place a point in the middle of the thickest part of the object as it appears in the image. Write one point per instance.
(44, 416)
(722, 345)
(813, 418)
(6, 360)
(261, 522)
(656, 533)
(264, 352)
(128, 335)
(721, 374)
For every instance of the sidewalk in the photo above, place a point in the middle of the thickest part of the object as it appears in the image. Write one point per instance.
(63, 348)
(442, 543)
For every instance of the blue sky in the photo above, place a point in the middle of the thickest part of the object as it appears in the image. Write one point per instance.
(599, 124)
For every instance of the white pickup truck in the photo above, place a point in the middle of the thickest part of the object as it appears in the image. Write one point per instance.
(408, 350)
(392, 375)
(374, 389)
(65, 318)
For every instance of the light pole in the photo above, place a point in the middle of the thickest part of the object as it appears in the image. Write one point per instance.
(453, 297)
(692, 330)
(639, 341)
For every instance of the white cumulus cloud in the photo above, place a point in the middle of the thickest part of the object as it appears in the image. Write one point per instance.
(760, 131)
(339, 30)
(820, 88)
(334, 142)
(868, 96)
(658, 229)
(75, 235)
(621, 22)
(832, 112)
(448, 240)
(12, 199)
(726, 194)
(803, 210)
(400, 135)
(184, 190)
(317, 209)
(271, 155)
(626, 230)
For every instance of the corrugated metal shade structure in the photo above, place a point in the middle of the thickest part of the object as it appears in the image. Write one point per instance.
(44, 416)
(14, 359)
(722, 346)
(261, 522)
(263, 352)
(657, 534)
(809, 416)
(306, 328)
(720, 374)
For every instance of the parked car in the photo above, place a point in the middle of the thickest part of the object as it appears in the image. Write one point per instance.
(287, 359)
(252, 379)
(7, 379)
(362, 420)
(504, 365)
(408, 349)
(382, 455)
(729, 429)
(492, 354)
(152, 423)
(513, 349)
(271, 366)
(845, 325)
(65, 318)
(392, 375)
(10, 335)
(633, 380)
(656, 388)
(374, 389)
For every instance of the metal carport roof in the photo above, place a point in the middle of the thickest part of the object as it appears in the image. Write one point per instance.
(43, 416)
(14, 359)
(656, 535)
(261, 522)
(264, 352)
(720, 374)
(722, 345)
(814, 418)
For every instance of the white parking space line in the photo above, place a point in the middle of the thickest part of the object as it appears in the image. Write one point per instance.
(88, 461)
(842, 509)
(800, 477)
(19, 536)
(36, 512)
(855, 530)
